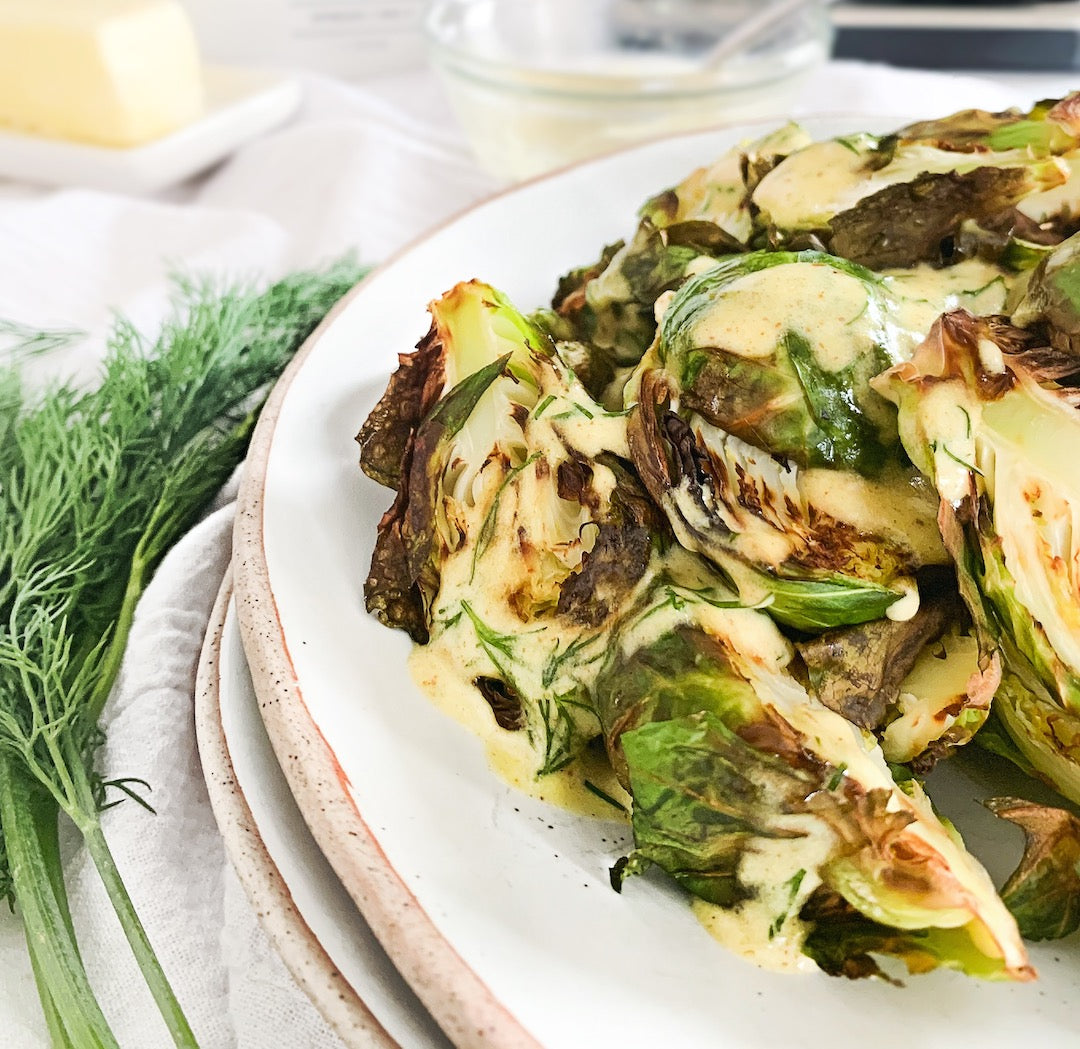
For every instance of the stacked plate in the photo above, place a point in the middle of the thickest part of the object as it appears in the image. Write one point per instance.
(314, 924)
(343, 791)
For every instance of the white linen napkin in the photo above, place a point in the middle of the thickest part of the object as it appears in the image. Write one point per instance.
(364, 168)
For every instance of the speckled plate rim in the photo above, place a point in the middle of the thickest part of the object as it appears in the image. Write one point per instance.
(265, 887)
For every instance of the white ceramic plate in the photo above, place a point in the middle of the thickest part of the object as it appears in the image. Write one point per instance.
(240, 105)
(495, 907)
(313, 923)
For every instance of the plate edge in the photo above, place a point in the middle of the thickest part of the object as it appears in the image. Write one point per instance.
(470, 1015)
(307, 961)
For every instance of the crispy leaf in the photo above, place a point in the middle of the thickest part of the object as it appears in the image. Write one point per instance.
(812, 605)
(617, 560)
(845, 943)
(857, 672)
(788, 402)
(965, 132)
(385, 439)
(710, 208)
(610, 307)
(632, 524)
(842, 435)
(1051, 303)
(505, 705)
(933, 205)
(569, 294)
(703, 797)
(1045, 736)
(1043, 893)
(434, 443)
(683, 673)
(403, 577)
(720, 771)
(391, 593)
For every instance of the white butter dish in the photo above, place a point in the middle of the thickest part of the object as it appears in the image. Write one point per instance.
(241, 104)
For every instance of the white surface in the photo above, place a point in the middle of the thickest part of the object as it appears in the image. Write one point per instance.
(354, 39)
(319, 897)
(241, 104)
(367, 168)
(521, 890)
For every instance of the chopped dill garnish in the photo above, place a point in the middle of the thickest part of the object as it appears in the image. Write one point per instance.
(603, 795)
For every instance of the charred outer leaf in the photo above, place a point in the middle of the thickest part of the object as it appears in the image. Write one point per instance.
(386, 437)
(933, 206)
(857, 671)
(1043, 893)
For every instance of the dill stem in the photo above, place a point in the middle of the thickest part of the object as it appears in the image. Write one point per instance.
(89, 824)
(58, 1035)
(24, 812)
(48, 836)
(114, 654)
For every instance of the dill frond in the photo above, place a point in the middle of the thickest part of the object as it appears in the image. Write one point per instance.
(95, 486)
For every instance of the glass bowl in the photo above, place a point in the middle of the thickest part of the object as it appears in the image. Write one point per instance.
(538, 84)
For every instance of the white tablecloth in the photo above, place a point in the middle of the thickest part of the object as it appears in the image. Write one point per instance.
(364, 168)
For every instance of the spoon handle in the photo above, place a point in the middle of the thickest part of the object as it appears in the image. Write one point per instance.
(748, 30)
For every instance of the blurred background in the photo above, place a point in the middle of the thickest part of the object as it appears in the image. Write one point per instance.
(537, 84)
(360, 38)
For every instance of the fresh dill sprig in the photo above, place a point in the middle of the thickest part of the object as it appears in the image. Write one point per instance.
(95, 486)
(19, 341)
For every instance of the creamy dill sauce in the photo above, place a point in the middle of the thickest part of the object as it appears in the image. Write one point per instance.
(717, 194)
(739, 931)
(843, 318)
(483, 619)
(765, 929)
(757, 645)
(611, 285)
(445, 669)
(840, 316)
(436, 669)
(963, 895)
(770, 866)
(899, 505)
(924, 292)
(827, 307)
(807, 188)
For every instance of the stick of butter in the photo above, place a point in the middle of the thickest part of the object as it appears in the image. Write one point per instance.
(106, 72)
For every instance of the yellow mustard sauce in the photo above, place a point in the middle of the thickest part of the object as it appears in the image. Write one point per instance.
(436, 670)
